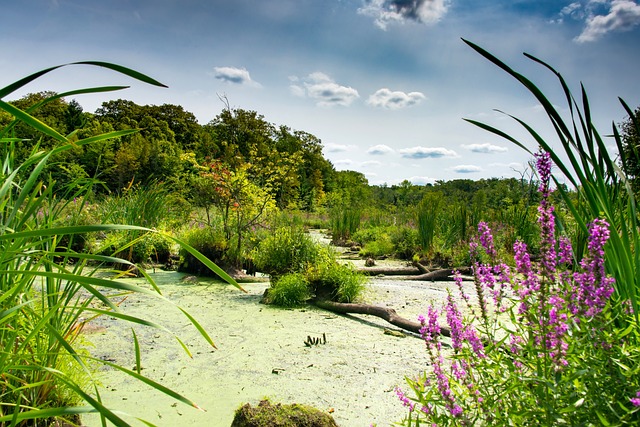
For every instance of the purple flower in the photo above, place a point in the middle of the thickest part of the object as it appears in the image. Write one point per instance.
(635, 401)
(404, 399)
(455, 323)
(486, 239)
(594, 288)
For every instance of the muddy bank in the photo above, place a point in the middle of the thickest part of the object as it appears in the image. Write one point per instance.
(261, 353)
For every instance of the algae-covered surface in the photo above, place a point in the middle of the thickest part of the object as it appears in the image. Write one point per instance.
(260, 353)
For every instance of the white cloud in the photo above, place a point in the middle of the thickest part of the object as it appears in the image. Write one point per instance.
(324, 90)
(388, 11)
(427, 152)
(623, 15)
(485, 148)
(421, 180)
(394, 100)
(335, 148)
(370, 163)
(343, 163)
(233, 75)
(466, 169)
(380, 149)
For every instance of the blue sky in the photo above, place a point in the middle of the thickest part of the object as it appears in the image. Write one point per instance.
(384, 84)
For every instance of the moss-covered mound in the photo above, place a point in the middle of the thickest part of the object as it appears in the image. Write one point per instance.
(278, 415)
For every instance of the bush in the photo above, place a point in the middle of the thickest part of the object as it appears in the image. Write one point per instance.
(378, 248)
(290, 290)
(209, 242)
(287, 250)
(136, 247)
(405, 242)
(336, 281)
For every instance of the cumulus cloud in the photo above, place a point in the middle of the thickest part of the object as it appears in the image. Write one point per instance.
(485, 148)
(421, 180)
(324, 90)
(427, 152)
(370, 163)
(622, 15)
(380, 149)
(466, 169)
(343, 163)
(601, 17)
(394, 100)
(335, 148)
(233, 75)
(389, 11)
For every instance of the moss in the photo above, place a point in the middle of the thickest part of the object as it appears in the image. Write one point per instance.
(279, 415)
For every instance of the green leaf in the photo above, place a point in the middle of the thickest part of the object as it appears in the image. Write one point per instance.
(32, 121)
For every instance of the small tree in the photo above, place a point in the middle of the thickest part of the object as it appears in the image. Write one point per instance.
(242, 205)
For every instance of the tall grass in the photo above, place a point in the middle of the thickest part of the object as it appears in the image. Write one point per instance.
(48, 292)
(428, 211)
(602, 187)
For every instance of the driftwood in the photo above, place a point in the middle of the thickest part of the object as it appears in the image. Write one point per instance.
(389, 271)
(388, 314)
(415, 272)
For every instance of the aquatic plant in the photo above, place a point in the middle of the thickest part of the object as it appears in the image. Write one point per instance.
(48, 291)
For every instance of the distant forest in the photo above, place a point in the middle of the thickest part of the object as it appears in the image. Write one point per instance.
(172, 148)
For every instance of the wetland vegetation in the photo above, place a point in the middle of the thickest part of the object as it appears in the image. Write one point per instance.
(89, 199)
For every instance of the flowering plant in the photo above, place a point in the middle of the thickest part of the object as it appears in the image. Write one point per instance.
(543, 345)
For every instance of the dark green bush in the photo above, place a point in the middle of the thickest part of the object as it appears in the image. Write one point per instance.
(208, 241)
(405, 241)
(287, 250)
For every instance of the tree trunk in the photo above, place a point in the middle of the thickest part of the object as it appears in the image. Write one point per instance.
(388, 314)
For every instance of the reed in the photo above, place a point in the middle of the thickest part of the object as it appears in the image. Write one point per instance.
(48, 292)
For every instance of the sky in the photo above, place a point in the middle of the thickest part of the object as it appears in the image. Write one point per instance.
(384, 84)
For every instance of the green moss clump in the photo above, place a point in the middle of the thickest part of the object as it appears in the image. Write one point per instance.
(279, 415)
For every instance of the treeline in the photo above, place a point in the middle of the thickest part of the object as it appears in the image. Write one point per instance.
(173, 148)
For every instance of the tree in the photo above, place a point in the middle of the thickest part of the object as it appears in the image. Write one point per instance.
(630, 156)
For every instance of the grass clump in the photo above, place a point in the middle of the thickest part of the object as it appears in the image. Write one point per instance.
(290, 290)
(293, 259)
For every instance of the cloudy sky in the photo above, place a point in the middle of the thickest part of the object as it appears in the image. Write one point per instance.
(385, 84)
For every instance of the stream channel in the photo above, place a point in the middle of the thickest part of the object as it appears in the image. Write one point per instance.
(260, 353)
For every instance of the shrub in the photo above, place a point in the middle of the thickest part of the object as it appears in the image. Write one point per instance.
(405, 242)
(208, 241)
(378, 248)
(338, 282)
(287, 250)
(290, 290)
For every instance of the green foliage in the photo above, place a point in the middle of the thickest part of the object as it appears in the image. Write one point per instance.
(405, 242)
(287, 250)
(289, 290)
(428, 212)
(48, 292)
(210, 242)
(381, 246)
(602, 188)
(345, 283)
(145, 207)
(630, 155)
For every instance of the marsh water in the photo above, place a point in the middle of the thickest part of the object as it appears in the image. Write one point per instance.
(260, 353)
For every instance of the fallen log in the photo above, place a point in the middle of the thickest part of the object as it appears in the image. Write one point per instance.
(389, 271)
(385, 313)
